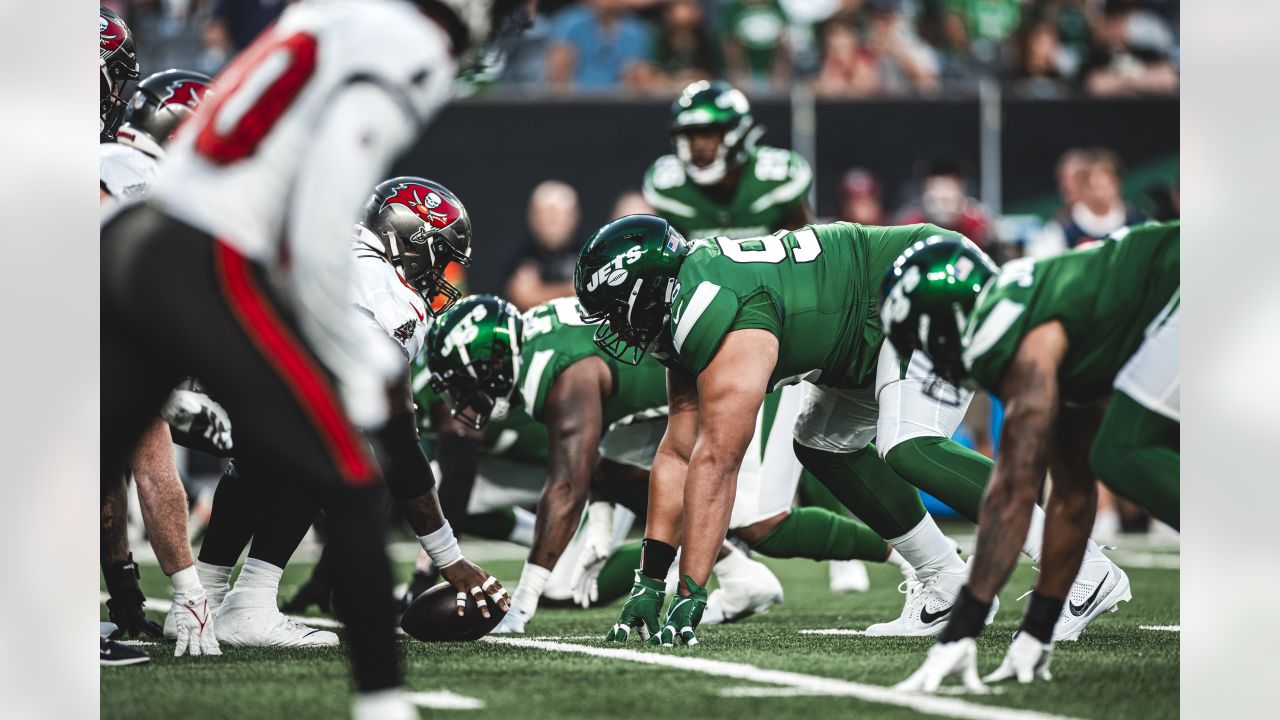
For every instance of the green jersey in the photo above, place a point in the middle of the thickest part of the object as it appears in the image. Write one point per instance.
(555, 337)
(814, 288)
(516, 436)
(1105, 295)
(774, 181)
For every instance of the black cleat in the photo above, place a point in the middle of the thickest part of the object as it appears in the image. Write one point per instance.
(114, 653)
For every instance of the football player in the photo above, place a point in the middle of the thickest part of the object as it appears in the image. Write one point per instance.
(733, 319)
(127, 167)
(1055, 339)
(603, 416)
(117, 65)
(411, 230)
(236, 269)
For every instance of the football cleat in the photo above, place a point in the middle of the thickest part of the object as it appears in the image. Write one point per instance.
(928, 606)
(751, 588)
(111, 652)
(848, 576)
(1099, 588)
(251, 619)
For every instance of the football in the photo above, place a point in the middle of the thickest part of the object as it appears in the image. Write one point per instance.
(433, 617)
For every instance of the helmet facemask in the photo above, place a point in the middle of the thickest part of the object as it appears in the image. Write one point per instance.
(731, 153)
(424, 261)
(478, 392)
(626, 330)
(478, 388)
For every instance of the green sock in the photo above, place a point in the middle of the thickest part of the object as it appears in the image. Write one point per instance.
(946, 470)
(1136, 453)
(494, 525)
(820, 534)
(619, 573)
(866, 485)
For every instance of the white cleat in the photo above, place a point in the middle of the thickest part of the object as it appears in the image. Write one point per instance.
(751, 589)
(251, 619)
(1099, 588)
(928, 606)
(847, 576)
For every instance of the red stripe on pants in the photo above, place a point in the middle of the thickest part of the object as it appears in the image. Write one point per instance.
(278, 344)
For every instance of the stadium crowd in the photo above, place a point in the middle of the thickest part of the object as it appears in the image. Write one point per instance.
(842, 48)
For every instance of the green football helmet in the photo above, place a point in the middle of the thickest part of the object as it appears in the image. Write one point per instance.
(717, 105)
(927, 296)
(626, 279)
(473, 352)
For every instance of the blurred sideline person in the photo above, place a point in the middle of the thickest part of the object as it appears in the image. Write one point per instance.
(544, 269)
(1097, 210)
(236, 270)
(411, 230)
(945, 203)
(127, 167)
(1083, 350)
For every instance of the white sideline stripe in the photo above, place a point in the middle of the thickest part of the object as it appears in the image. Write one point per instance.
(748, 691)
(933, 705)
(445, 700)
(832, 631)
(1163, 628)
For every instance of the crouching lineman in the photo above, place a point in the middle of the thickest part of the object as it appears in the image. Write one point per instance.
(236, 270)
(411, 230)
(1054, 339)
(733, 319)
(606, 417)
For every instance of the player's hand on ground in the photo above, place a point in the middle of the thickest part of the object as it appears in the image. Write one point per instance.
(641, 610)
(958, 658)
(683, 616)
(470, 580)
(595, 552)
(194, 623)
(1026, 660)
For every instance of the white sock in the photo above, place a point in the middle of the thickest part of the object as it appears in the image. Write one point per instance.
(259, 575)
(895, 559)
(927, 550)
(1034, 544)
(522, 533)
(215, 578)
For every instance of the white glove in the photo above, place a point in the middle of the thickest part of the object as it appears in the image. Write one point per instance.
(946, 659)
(1027, 659)
(533, 579)
(194, 623)
(596, 549)
(189, 411)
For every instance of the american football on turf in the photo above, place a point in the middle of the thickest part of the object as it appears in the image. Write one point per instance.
(433, 617)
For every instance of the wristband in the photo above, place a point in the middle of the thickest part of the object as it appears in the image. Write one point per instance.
(185, 580)
(442, 546)
(533, 580)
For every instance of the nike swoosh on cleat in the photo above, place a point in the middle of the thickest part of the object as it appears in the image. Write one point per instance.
(1082, 608)
(929, 618)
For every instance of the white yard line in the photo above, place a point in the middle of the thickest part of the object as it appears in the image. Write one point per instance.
(832, 631)
(1163, 628)
(445, 700)
(931, 704)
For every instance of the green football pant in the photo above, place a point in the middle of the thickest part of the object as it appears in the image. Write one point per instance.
(1136, 453)
(866, 485)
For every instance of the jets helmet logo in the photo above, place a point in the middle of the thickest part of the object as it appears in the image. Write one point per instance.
(427, 204)
(189, 93)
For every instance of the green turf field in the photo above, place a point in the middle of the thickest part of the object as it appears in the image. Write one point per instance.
(1116, 669)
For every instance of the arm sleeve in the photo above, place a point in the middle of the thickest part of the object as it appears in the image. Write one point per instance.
(364, 128)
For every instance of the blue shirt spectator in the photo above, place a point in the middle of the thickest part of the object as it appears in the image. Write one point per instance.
(596, 46)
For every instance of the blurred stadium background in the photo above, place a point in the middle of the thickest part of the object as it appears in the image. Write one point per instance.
(1029, 125)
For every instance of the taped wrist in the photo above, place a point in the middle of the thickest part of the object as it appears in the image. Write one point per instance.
(656, 558)
(405, 466)
(968, 616)
(442, 546)
(1042, 614)
(533, 580)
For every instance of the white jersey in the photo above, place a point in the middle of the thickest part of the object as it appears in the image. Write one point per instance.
(380, 292)
(298, 130)
(125, 173)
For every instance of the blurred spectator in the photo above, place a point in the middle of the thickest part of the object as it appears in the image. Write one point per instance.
(906, 63)
(233, 24)
(597, 45)
(171, 31)
(957, 66)
(1097, 211)
(544, 269)
(944, 202)
(631, 202)
(1038, 62)
(848, 68)
(1070, 174)
(990, 24)
(860, 198)
(757, 53)
(1132, 52)
(683, 50)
